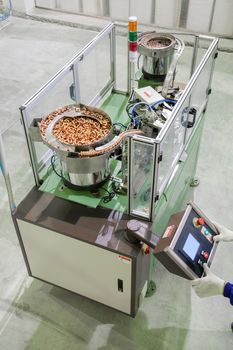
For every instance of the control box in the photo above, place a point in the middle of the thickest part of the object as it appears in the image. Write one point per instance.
(187, 243)
(148, 94)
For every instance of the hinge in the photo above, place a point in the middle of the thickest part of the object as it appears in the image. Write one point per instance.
(209, 91)
(215, 55)
(160, 157)
(156, 197)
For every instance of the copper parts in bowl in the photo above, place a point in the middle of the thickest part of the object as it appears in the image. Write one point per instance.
(82, 130)
(79, 125)
(151, 42)
(158, 43)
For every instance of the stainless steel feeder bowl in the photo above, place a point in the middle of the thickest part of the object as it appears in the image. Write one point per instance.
(157, 50)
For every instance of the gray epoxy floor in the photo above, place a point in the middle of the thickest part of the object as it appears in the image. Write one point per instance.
(35, 315)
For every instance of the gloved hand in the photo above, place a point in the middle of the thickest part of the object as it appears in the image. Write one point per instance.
(224, 233)
(208, 285)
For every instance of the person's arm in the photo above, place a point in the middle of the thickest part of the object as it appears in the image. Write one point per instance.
(224, 233)
(209, 285)
(212, 285)
(228, 291)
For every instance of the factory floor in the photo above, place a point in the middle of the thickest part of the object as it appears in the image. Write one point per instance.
(35, 315)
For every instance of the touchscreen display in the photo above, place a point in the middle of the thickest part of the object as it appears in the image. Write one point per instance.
(191, 246)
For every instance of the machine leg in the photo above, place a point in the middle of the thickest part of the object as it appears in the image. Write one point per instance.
(151, 289)
(195, 182)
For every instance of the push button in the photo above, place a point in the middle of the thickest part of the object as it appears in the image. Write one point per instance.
(198, 222)
(205, 254)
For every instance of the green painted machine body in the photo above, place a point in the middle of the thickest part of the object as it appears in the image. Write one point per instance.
(174, 197)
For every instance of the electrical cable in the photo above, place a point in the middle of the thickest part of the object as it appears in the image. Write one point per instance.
(52, 160)
(139, 56)
(139, 104)
(107, 198)
(162, 101)
(120, 124)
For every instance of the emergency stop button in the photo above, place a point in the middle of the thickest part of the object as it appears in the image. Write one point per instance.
(198, 222)
(205, 254)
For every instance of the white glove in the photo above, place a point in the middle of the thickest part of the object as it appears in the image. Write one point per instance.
(224, 233)
(208, 285)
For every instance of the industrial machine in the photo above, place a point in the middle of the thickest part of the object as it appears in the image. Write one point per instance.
(107, 162)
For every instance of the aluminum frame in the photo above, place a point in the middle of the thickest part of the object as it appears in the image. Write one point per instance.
(6, 175)
(72, 65)
(145, 141)
(187, 94)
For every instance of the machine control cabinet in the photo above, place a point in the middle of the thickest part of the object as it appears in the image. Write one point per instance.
(187, 243)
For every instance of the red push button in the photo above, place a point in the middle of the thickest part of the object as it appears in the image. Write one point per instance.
(200, 221)
(205, 254)
(145, 249)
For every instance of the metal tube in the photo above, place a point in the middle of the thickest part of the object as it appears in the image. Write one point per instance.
(129, 87)
(154, 182)
(5, 172)
(76, 82)
(194, 58)
(129, 187)
(212, 15)
(113, 55)
(31, 147)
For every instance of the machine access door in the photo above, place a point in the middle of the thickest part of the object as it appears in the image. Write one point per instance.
(86, 269)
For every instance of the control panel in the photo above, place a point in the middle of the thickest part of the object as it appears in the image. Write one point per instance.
(187, 243)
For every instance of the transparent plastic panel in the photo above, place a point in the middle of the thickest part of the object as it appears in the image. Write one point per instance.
(172, 145)
(95, 70)
(200, 89)
(190, 58)
(183, 67)
(121, 62)
(203, 46)
(55, 95)
(17, 160)
(199, 93)
(142, 173)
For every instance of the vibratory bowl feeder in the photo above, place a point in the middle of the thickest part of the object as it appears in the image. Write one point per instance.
(82, 139)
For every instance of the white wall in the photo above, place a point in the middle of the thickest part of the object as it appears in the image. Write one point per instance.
(223, 17)
(199, 14)
(23, 5)
(119, 9)
(166, 13)
(93, 7)
(142, 9)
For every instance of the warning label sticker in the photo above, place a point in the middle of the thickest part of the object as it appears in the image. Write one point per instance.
(124, 259)
(168, 231)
